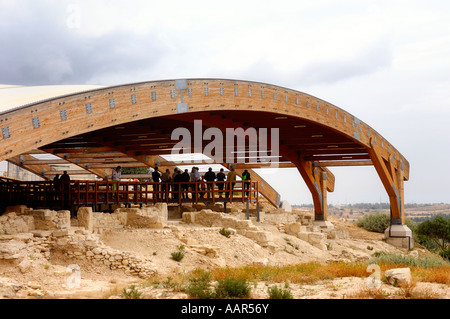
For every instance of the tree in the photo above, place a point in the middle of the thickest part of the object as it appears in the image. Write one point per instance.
(437, 229)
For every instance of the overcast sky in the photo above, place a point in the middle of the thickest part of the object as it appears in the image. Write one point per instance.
(386, 62)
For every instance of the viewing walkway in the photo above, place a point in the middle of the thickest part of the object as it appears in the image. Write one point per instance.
(94, 193)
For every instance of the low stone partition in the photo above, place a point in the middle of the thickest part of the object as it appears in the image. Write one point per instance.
(83, 245)
(313, 233)
(146, 217)
(208, 218)
(10, 223)
(46, 219)
(18, 219)
(29, 237)
(27, 249)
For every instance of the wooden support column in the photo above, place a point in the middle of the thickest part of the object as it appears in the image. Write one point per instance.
(319, 181)
(391, 176)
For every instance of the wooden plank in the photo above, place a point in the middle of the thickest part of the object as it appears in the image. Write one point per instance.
(345, 163)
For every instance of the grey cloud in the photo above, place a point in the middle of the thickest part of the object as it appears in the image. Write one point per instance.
(39, 49)
(374, 58)
(377, 56)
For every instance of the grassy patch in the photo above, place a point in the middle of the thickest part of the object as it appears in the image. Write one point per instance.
(179, 254)
(131, 293)
(200, 286)
(232, 288)
(278, 293)
(307, 273)
(382, 258)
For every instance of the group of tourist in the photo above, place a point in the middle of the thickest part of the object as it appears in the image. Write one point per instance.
(192, 182)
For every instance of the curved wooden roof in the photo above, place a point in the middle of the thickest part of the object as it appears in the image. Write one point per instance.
(98, 128)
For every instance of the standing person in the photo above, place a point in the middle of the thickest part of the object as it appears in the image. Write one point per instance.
(176, 171)
(192, 180)
(165, 178)
(197, 174)
(202, 186)
(156, 176)
(221, 178)
(116, 176)
(246, 178)
(65, 178)
(195, 178)
(175, 180)
(65, 187)
(210, 177)
(56, 186)
(231, 177)
(185, 180)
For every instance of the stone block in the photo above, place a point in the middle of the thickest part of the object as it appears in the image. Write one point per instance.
(60, 233)
(85, 218)
(25, 265)
(41, 233)
(63, 219)
(284, 205)
(304, 236)
(293, 228)
(316, 238)
(163, 210)
(398, 276)
(18, 209)
(43, 219)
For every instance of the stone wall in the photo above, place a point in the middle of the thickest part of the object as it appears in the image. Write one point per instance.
(307, 230)
(46, 219)
(208, 218)
(10, 223)
(145, 217)
(27, 235)
(77, 243)
(20, 220)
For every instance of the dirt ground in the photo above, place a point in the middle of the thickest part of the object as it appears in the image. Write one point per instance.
(50, 278)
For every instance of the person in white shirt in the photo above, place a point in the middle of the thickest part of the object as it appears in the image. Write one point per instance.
(116, 175)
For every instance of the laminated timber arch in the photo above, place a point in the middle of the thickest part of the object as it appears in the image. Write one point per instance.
(130, 125)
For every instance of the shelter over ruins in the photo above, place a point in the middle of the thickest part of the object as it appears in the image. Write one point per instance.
(96, 128)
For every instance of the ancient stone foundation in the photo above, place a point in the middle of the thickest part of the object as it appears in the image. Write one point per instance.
(305, 228)
(208, 218)
(146, 217)
(27, 235)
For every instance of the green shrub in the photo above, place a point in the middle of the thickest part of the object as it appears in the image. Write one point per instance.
(445, 253)
(427, 242)
(225, 232)
(178, 255)
(200, 286)
(278, 293)
(131, 293)
(377, 222)
(232, 288)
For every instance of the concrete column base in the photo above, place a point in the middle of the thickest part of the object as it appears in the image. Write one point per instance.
(324, 224)
(399, 236)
